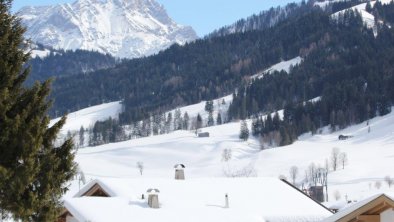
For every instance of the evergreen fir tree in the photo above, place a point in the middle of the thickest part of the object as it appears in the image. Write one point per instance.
(333, 121)
(368, 8)
(209, 106)
(33, 171)
(162, 125)
(168, 122)
(276, 121)
(186, 120)
(255, 127)
(198, 121)
(146, 127)
(136, 130)
(156, 124)
(284, 137)
(91, 137)
(244, 132)
(219, 119)
(210, 122)
(177, 120)
(81, 136)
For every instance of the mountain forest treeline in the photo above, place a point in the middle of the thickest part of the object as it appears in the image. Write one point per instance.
(182, 75)
(67, 63)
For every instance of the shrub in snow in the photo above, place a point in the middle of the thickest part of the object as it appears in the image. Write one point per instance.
(247, 171)
(226, 154)
(337, 195)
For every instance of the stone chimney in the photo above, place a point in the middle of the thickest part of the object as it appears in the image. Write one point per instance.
(153, 198)
(179, 172)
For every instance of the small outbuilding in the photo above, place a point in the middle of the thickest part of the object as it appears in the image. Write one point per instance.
(344, 137)
(317, 193)
(203, 134)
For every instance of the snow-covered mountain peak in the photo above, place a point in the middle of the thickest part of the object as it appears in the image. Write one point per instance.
(123, 28)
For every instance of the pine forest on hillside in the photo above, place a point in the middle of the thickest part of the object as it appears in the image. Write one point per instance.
(66, 63)
(349, 69)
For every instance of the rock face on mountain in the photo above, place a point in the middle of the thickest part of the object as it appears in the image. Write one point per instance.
(122, 28)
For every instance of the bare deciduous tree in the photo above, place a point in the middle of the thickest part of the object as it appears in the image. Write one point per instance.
(312, 174)
(247, 171)
(337, 195)
(334, 158)
(315, 174)
(343, 159)
(389, 180)
(140, 166)
(322, 178)
(378, 184)
(327, 165)
(293, 173)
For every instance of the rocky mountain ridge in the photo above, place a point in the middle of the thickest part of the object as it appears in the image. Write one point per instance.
(122, 28)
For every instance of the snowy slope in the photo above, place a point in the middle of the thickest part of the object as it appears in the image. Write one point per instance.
(368, 18)
(324, 4)
(87, 117)
(122, 28)
(39, 53)
(370, 156)
(283, 65)
(220, 106)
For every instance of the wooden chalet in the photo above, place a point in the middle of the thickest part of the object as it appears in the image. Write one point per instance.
(378, 208)
(121, 199)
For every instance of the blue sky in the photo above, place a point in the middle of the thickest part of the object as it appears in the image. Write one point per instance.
(203, 15)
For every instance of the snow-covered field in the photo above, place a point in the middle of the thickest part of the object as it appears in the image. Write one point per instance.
(370, 155)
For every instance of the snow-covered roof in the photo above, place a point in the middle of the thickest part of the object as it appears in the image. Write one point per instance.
(357, 205)
(250, 199)
(337, 205)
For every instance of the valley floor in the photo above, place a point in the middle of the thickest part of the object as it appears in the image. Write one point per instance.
(370, 157)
